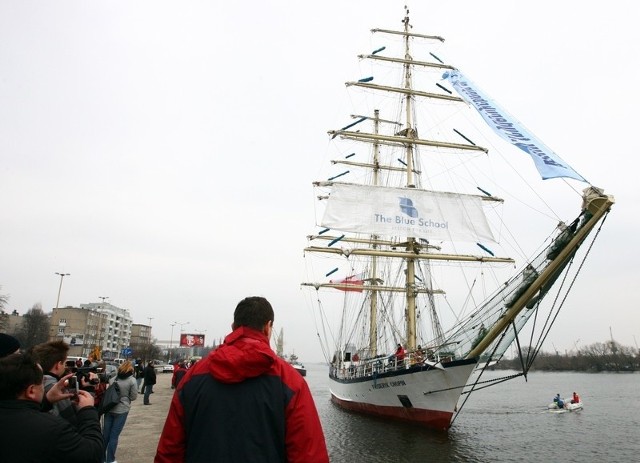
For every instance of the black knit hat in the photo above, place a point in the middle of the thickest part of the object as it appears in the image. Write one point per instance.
(8, 345)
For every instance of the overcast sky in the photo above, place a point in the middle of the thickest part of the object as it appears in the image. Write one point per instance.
(162, 153)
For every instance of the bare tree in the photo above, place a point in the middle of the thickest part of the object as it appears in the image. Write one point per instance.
(146, 351)
(35, 327)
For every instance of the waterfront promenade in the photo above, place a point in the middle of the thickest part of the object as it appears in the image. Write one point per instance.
(139, 438)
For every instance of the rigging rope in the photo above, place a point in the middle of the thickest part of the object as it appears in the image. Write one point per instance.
(542, 338)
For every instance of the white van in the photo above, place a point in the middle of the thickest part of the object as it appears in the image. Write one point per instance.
(119, 361)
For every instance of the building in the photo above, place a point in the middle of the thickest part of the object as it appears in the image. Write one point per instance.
(95, 324)
(116, 332)
(140, 334)
(14, 322)
(141, 341)
(81, 328)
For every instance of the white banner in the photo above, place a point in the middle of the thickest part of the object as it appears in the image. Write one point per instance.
(406, 212)
(548, 163)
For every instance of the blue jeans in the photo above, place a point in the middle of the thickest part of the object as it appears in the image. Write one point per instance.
(113, 424)
(148, 389)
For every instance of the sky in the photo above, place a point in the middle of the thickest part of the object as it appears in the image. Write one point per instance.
(162, 153)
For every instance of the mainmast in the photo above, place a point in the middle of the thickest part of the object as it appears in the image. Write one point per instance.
(373, 308)
(410, 132)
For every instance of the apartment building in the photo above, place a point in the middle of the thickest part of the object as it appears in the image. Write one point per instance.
(94, 324)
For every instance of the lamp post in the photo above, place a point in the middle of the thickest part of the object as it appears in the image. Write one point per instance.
(62, 275)
(172, 325)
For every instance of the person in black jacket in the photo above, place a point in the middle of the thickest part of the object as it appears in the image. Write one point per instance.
(178, 374)
(30, 435)
(149, 381)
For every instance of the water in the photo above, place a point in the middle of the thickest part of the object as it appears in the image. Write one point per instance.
(504, 423)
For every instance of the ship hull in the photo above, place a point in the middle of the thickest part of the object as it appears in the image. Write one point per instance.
(422, 395)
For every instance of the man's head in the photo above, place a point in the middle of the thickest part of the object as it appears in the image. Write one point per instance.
(8, 345)
(52, 356)
(254, 312)
(20, 378)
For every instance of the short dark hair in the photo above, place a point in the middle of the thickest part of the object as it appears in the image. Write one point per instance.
(253, 312)
(50, 353)
(17, 373)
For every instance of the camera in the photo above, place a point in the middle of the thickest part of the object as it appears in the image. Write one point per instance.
(83, 373)
(72, 385)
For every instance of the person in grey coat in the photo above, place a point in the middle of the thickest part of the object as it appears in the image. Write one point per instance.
(115, 418)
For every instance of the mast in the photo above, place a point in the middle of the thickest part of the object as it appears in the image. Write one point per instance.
(373, 309)
(409, 133)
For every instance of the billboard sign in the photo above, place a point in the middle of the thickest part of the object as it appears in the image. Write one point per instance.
(191, 340)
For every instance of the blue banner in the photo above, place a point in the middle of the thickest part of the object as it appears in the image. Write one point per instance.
(548, 163)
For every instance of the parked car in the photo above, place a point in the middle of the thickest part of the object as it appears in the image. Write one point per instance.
(168, 368)
(110, 371)
(158, 365)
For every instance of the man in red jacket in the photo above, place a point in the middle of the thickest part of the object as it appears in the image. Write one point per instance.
(243, 402)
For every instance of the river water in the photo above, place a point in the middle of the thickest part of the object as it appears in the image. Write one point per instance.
(504, 423)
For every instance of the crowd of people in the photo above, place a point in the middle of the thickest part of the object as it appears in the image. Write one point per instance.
(241, 403)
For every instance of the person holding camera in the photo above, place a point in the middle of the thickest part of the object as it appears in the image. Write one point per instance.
(30, 435)
(52, 357)
(115, 418)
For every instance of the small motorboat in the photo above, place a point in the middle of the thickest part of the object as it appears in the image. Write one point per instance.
(568, 406)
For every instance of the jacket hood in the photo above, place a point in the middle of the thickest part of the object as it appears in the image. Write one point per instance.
(245, 354)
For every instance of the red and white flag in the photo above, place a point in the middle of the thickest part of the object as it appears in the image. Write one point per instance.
(355, 280)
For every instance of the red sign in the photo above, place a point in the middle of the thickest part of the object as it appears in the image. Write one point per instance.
(191, 340)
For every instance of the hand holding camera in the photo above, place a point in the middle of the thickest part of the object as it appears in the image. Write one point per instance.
(59, 390)
(84, 399)
(72, 387)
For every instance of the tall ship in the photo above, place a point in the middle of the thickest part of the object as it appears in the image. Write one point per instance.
(445, 236)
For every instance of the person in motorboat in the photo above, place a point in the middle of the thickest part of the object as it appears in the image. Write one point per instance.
(575, 399)
(558, 401)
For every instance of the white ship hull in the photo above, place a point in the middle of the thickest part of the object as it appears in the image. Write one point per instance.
(423, 395)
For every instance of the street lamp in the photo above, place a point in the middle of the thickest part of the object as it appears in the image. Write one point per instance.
(172, 325)
(62, 275)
